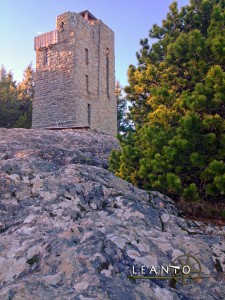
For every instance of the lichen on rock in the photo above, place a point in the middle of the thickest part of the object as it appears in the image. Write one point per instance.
(69, 229)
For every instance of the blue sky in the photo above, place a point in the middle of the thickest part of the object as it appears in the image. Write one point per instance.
(22, 20)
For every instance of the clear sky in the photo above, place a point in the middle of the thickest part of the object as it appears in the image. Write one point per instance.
(22, 20)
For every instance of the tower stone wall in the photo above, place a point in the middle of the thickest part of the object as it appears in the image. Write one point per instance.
(75, 75)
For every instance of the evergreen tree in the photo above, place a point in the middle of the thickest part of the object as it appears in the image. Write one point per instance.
(25, 97)
(122, 122)
(177, 93)
(9, 106)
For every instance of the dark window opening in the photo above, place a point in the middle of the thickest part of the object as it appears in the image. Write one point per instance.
(86, 56)
(89, 114)
(45, 56)
(87, 84)
(107, 52)
(107, 71)
(62, 25)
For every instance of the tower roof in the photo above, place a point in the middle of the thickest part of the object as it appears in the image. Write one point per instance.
(87, 15)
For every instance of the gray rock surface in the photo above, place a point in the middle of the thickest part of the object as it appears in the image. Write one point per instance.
(69, 229)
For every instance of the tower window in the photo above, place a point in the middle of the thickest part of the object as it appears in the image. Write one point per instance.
(45, 56)
(107, 71)
(89, 114)
(86, 56)
(62, 25)
(87, 84)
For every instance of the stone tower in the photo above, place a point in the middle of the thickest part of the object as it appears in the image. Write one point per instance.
(75, 75)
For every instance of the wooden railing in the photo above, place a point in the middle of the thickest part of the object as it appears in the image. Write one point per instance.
(46, 39)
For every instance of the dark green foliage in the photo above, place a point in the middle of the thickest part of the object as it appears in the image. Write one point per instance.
(223, 214)
(25, 119)
(16, 100)
(25, 97)
(177, 93)
(9, 106)
(122, 121)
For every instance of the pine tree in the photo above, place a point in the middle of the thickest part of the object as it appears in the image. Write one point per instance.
(122, 121)
(25, 97)
(177, 93)
(9, 106)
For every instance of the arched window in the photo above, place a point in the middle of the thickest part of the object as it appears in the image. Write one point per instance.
(87, 84)
(86, 57)
(89, 114)
(107, 71)
(45, 56)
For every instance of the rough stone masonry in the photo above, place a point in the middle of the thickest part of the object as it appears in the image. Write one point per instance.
(75, 75)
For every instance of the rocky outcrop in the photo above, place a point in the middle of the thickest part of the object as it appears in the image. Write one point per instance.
(69, 229)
